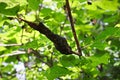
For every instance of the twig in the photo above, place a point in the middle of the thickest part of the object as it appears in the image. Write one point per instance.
(72, 27)
(40, 57)
(13, 53)
(10, 45)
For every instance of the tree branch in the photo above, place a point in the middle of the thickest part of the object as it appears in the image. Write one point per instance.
(72, 27)
(10, 45)
(13, 53)
(59, 42)
(40, 57)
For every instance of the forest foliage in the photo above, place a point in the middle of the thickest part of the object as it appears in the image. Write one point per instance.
(25, 53)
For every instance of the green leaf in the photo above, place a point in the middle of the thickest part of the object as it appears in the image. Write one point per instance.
(109, 31)
(10, 59)
(111, 5)
(21, 2)
(7, 68)
(100, 41)
(117, 32)
(34, 4)
(10, 11)
(45, 12)
(56, 71)
(68, 61)
(100, 58)
(59, 18)
(99, 44)
(32, 44)
(3, 5)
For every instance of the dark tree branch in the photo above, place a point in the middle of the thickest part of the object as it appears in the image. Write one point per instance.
(59, 42)
(72, 27)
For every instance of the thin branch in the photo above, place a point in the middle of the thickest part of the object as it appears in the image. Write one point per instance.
(13, 53)
(72, 27)
(40, 57)
(22, 37)
(10, 45)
